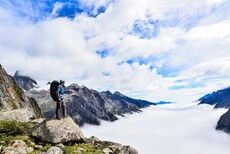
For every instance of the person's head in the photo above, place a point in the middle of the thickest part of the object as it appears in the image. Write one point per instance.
(62, 82)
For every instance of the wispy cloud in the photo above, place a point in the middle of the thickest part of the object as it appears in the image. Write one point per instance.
(141, 48)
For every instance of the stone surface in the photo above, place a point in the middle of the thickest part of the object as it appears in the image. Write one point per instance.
(93, 140)
(118, 148)
(131, 150)
(17, 143)
(60, 145)
(54, 150)
(22, 115)
(107, 151)
(58, 131)
(17, 147)
(37, 121)
(224, 122)
(38, 147)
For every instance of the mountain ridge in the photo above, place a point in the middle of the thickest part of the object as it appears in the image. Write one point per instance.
(86, 105)
(219, 98)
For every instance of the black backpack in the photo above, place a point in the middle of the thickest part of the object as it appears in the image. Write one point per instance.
(54, 90)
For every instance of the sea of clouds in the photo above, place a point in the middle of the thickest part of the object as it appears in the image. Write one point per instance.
(179, 128)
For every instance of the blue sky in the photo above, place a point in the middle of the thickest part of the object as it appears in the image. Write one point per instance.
(140, 48)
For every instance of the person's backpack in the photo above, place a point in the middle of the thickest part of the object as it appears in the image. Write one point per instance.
(54, 90)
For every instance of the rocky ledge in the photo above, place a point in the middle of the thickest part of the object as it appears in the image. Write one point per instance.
(53, 136)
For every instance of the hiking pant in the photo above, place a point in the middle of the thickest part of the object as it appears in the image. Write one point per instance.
(60, 103)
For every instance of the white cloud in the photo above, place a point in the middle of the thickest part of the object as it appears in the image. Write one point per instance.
(175, 128)
(62, 48)
(216, 31)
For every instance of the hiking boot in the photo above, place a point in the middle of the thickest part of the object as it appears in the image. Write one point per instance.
(65, 116)
(58, 118)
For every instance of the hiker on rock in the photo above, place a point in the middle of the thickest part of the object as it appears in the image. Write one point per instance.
(57, 90)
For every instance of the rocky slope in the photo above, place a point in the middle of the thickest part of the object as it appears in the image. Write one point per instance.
(224, 122)
(54, 137)
(220, 98)
(12, 97)
(25, 82)
(89, 106)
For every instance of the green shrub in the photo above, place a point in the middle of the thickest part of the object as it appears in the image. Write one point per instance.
(13, 127)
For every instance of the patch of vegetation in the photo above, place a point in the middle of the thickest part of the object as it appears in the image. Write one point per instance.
(6, 138)
(18, 90)
(13, 127)
(81, 148)
(14, 104)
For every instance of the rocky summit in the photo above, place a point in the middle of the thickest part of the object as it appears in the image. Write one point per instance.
(58, 131)
(13, 97)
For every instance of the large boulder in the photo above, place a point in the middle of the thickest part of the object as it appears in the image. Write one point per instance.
(57, 131)
(224, 122)
(22, 115)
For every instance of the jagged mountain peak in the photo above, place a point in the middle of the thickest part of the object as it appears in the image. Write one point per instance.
(17, 73)
(74, 85)
(117, 93)
(25, 82)
(106, 92)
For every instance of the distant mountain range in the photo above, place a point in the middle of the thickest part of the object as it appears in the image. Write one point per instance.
(220, 98)
(84, 105)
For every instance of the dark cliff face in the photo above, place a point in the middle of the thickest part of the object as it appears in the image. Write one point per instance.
(13, 97)
(224, 122)
(89, 106)
(220, 98)
(25, 82)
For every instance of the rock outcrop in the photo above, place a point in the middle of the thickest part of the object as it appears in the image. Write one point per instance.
(89, 106)
(220, 98)
(57, 131)
(92, 145)
(22, 115)
(12, 96)
(25, 82)
(224, 122)
(54, 137)
(111, 147)
(17, 147)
